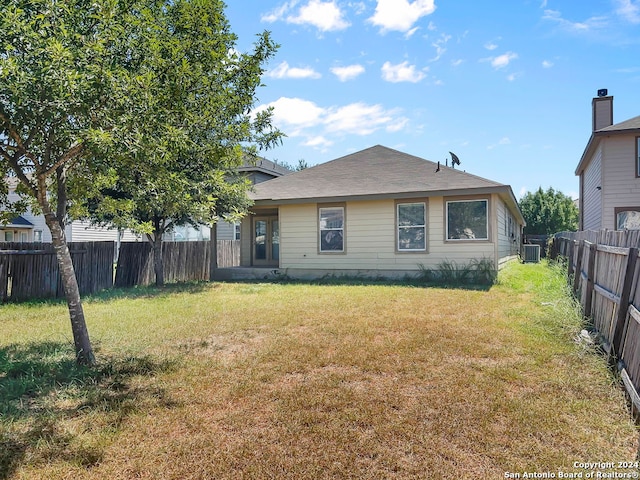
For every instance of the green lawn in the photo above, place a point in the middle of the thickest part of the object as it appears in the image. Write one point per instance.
(304, 381)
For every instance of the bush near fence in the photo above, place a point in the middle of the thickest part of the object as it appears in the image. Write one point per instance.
(604, 271)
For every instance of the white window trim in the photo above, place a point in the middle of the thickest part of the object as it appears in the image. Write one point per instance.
(446, 218)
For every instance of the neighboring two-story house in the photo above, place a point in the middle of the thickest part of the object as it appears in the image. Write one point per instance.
(609, 171)
(29, 227)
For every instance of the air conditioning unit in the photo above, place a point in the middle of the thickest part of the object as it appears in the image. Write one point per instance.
(531, 253)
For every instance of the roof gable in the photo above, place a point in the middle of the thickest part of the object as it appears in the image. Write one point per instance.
(628, 127)
(375, 171)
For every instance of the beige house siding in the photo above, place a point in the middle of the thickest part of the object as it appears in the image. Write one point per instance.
(370, 239)
(591, 196)
(620, 186)
(508, 234)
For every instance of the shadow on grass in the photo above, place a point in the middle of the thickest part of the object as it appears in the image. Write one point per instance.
(332, 280)
(146, 291)
(41, 387)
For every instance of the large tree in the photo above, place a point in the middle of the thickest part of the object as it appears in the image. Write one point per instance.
(548, 212)
(185, 122)
(54, 99)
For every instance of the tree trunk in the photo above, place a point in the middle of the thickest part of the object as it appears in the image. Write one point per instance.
(156, 244)
(84, 352)
(213, 259)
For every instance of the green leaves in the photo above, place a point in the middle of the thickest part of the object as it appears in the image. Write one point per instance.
(548, 212)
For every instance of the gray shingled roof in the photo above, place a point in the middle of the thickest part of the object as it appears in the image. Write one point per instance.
(375, 171)
(627, 127)
(631, 124)
(263, 165)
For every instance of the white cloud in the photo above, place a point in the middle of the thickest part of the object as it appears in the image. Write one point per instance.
(318, 141)
(358, 7)
(490, 46)
(285, 71)
(629, 10)
(402, 72)
(278, 13)
(302, 118)
(457, 63)
(397, 125)
(502, 141)
(586, 26)
(440, 46)
(503, 60)
(547, 64)
(326, 16)
(358, 119)
(347, 73)
(400, 15)
(294, 115)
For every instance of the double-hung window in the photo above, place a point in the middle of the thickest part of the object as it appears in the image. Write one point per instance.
(467, 220)
(412, 227)
(331, 229)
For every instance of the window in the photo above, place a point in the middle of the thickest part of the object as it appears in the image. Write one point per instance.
(627, 218)
(8, 236)
(37, 235)
(412, 227)
(637, 156)
(331, 229)
(236, 229)
(467, 220)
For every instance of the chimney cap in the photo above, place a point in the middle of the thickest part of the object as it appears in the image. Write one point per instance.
(603, 92)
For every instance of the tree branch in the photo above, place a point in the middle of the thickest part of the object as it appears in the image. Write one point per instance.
(73, 153)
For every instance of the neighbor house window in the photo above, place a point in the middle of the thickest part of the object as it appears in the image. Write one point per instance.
(8, 236)
(638, 156)
(236, 229)
(331, 229)
(627, 218)
(467, 220)
(412, 227)
(37, 235)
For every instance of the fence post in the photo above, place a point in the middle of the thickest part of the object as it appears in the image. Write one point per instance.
(623, 308)
(570, 269)
(591, 270)
(4, 277)
(213, 254)
(578, 272)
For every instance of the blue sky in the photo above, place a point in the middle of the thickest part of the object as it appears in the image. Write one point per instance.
(505, 85)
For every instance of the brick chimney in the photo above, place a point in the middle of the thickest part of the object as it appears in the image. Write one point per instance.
(602, 110)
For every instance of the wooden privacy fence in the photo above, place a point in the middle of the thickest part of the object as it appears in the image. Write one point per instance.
(183, 261)
(604, 269)
(30, 270)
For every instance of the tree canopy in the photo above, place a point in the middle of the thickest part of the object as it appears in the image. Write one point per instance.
(548, 212)
(185, 122)
(127, 111)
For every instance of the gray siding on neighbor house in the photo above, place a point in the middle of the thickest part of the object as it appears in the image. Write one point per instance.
(620, 186)
(591, 196)
(83, 231)
(225, 231)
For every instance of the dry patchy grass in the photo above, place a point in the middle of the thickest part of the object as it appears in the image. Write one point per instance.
(312, 382)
